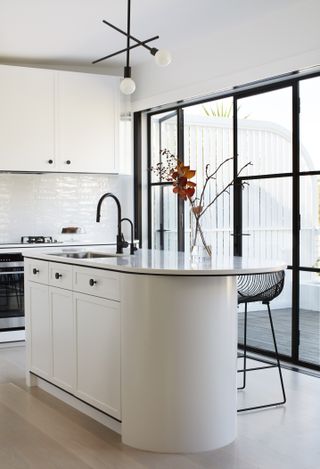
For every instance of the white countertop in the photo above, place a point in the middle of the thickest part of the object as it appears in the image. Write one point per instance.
(59, 244)
(155, 262)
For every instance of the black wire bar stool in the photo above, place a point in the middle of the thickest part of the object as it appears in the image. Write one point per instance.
(260, 288)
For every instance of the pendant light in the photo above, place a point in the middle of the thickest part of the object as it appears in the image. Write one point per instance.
(162, 57)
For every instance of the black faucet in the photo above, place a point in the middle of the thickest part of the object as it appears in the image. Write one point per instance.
(121, 242)
(132, 246)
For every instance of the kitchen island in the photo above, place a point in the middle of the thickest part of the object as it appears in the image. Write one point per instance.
(150, 340)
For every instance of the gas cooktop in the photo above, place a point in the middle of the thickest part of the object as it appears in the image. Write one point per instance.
(37, 239)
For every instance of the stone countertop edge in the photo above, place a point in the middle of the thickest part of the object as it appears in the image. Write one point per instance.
(169, 263)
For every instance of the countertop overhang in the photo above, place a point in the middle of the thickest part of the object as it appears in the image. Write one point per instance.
(156, 262)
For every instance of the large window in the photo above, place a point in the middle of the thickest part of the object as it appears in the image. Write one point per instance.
(163, 228)
(208, 140)
(276, 215)
(309, 189)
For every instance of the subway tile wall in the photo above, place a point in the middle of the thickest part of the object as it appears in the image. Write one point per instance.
(41, 204)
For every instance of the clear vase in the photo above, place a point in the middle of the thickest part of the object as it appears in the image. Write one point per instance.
(199, 248)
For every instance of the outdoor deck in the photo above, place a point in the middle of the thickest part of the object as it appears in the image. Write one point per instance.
(259, 334)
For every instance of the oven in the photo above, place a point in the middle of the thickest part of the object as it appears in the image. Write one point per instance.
(11, 292)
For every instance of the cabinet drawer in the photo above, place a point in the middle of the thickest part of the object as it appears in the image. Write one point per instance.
(60, 275)
(97, 282)
(36, 271)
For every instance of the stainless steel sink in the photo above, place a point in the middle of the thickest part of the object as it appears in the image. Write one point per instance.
(83, 255)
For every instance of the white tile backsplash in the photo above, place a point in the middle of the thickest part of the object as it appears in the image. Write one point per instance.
(41, 204)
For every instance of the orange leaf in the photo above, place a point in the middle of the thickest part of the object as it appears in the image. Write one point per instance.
(182, 181)
(190, 191)
(190, 173)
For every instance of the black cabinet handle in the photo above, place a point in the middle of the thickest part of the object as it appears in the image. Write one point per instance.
(92, 282)
(57, 275)
(50, 161)
(68, 162)
(35, 271)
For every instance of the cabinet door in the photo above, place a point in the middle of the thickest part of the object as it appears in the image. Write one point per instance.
(87, 122)
(38, 329)
(97, 326)
(61, 306)
(26, 119)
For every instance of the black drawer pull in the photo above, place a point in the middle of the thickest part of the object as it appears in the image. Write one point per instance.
(50, 161)
(57, 275)
(92, 282)
(35, 271)
(68, 162)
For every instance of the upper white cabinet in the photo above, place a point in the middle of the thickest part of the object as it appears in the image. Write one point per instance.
(87, 106)
(26, 119)
(58, 121)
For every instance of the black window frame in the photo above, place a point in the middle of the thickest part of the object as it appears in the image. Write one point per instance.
(275, 83)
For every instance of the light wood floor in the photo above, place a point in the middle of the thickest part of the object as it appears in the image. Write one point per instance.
(39, 432)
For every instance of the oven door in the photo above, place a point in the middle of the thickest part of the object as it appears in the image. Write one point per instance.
(11, 299)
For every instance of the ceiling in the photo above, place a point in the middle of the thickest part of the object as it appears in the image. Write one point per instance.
(70, 33)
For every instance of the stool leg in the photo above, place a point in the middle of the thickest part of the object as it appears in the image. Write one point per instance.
(277, 356)
(244, 347)
(264, 406)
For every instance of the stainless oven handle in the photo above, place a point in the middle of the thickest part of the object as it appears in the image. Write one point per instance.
(19, 272)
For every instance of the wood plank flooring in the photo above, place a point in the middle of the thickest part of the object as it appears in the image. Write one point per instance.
(259, 334)
(38, 431)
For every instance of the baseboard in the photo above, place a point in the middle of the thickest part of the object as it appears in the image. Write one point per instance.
(77, 404)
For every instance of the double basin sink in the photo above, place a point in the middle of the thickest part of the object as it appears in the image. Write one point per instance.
(84, 255)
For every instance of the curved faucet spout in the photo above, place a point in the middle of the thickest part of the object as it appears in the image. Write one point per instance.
(120, 243)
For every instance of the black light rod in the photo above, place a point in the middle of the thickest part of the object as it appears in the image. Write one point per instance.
(123, 32)
(128, 33)
(125, 50)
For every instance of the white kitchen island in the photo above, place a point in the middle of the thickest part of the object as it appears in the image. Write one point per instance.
(149, 339)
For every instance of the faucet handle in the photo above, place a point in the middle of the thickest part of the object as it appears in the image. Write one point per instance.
(124, 243)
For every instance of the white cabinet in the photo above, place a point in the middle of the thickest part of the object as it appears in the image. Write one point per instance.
(62, 328)
(73, 338)
(26, 119)
(97, 323)
(58, 121)
(87, 124)
(38, 327)
(36, 270)
(97, 282)
(60, 275)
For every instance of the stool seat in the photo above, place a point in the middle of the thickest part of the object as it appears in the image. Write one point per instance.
(260, 287)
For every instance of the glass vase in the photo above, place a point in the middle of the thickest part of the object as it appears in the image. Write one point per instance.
(199, 247)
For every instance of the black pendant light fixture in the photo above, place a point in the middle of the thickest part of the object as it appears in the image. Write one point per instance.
(161, 56)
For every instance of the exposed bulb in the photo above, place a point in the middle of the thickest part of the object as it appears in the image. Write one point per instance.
(127, 86)
(163, 57)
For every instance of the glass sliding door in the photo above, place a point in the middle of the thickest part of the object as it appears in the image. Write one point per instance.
(264, 137)
(164, 219)
(162, 203)
(272, 211)
(309, 275)
(208, 140)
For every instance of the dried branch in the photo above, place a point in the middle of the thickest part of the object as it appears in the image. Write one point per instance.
(211, 176)
(225, 189)
(173, 170)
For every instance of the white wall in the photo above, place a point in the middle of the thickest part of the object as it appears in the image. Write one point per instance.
(255, 49)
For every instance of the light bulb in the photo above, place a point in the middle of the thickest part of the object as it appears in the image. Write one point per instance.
(162, 57)
(127, 86)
